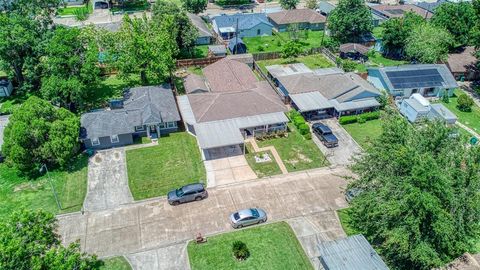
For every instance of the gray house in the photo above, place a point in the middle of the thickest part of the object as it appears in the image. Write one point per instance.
(205, 35)
(145, 111)
(248, 24)
(306, 19)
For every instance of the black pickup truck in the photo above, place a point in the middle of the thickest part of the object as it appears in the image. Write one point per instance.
(325, 135)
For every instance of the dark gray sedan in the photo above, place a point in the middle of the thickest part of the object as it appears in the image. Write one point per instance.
(188, 193)
(247, 217)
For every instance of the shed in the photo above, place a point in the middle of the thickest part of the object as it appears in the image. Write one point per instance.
(354, 51)
(236, 46)
(6, 88)
(217, 50)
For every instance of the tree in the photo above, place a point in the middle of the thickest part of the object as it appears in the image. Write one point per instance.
(291, 49)
(311, 4)
(465, 103)
(195, 6)
(420, 203)
(70, 66)
(146, 48)
(38, 133)
(350, 20)
(289, 4)
(428, 43)
(456, 18)
(28, 241)
(396, 31)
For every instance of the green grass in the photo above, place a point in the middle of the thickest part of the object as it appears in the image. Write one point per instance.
(377, 59)
(313, 61)
(296, 152)
(70, 10)
(8, 104)
(262, 169)
(345, 220)
(363, 133)
(110, 87)
(378, 32)
(272, 246)
(195, 70)
(116, 263)
(274, 43)
(155, 170)
(18, 192)
(200, 51)
(470, 119)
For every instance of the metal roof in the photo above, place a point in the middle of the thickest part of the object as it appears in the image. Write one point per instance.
(288, 69)
(3, 124)
(185, 109)
(310, 101)
(351, 253)
(443, 112)
(416, 105)
(355, 105)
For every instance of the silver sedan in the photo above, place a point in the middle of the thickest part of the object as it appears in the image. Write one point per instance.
(247, 217)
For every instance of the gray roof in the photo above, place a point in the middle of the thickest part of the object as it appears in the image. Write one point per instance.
(443, 112)
(141, 106)
(245, 20)
(417, 106)
(3, 124)
(217, 49)
(194, 83)
(351, 253)
(311, 101)
(326, 7)
(288, 69)
(203, 30)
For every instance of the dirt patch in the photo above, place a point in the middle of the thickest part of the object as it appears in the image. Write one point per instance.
(98, 159)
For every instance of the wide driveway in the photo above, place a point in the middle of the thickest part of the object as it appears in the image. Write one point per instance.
(347, 146)
(228, 170)
(107, 181)
(151, 224)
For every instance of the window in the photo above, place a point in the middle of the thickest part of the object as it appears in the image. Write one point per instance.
(95, 141)
(161, 125)
(171, 124)
(140, 128)
(258, 32)
(114, 139)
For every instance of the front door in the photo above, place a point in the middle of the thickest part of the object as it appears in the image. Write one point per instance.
(153, 131)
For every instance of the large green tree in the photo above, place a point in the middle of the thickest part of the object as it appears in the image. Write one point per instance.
(350, 20)
(420, 205)
(458, 19)
(195, 6)
(70, 67)
(38, 133)
(428, 43)
(289, 4)
(396, 31)
(28, 240)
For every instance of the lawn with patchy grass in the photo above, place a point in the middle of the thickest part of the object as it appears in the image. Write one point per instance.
(362, 133)
(17, 192)
(275, 42)
(155, 170)
(313, 61)
(470, 119)
(109, 87)
(199, 51)
(262, 169)
(345, 220)
(271, 246)
(116, 263)
(296, 152)
(377, 59)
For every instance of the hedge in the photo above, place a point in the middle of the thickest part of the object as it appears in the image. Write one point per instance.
(304, 129)
(361, 118)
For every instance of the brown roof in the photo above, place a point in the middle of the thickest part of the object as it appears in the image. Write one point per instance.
(297, 16)
(462, 62)
(398, 11)
(354, 47)
(194, 84)
(229, 75)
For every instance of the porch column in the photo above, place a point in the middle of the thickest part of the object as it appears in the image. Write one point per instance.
(158, 130)
(148, 130)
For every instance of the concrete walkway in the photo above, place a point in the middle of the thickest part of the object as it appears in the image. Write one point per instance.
(272, 149)
(469, 130)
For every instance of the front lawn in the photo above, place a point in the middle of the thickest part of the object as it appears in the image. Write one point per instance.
(262, 169)
(272, 246)
(470, 119)
(155, 170)
(71, 10)
(18, 192)
(116, 263)
(296, 152)
(314, 61)
(275, 42)
(365, 132)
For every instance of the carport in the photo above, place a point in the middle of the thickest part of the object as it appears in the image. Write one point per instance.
(219, 139)
(313, 105)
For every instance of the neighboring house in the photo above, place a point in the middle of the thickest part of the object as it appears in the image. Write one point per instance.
(463, 65)
(145, 111)
(249, 25)
(398, 11)
(235, 106)
(3, 124)
(354, 51)
(236, 46)
(324, 93)
(73, 2)
(430, 6)
(325, 8)
(417, 108)
(351, 253)
(205, 35)
(217, 50)
(306, 19)
(6, 88)
(429, 80)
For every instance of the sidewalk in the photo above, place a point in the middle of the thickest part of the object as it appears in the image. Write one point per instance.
(271, 149)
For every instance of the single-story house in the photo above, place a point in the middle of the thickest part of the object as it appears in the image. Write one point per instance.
(430, 80)
(144, 111)
(398, 11)
(351, 253)
(6, 88)
(463, 65)
(416, 107)
(324, 93)
(354, 51)
(217, 50)
(205, 35)
(236, 46)
(3, 124)
(243, 24)
(235, 107)
(325, 8)
(306, 19)
(430, 6)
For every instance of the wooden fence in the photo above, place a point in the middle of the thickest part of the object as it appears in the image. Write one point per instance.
(198, 62)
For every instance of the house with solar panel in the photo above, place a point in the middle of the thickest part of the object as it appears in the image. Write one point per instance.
(428, 80)
(243, 24)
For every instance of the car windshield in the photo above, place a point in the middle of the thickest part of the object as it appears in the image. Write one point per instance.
(254, 212)
(179, 192)
(236, 216)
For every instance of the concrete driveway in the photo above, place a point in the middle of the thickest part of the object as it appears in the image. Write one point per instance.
(107, 181)
(228, 170)
(347, 146)
(149, 225)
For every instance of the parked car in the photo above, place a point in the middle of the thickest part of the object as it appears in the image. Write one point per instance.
(187, 193)
(350, 194)
(247, 217)
(325, 135)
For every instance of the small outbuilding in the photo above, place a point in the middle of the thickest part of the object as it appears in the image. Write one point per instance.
(217, 50)
(236, 46)
(6, 88)
(417, 108)
(354, 51)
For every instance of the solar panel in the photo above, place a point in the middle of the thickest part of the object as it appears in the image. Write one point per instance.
(415, 78)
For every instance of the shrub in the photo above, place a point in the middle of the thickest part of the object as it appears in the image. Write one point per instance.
(260, 48)
(349, 65)
(361, 119)
(292, 114)
(371, 115)
(308, 136)
(465, 103)
(240, 250)
(304, 129)
(347, 119)
(445, 98)
(298, 120)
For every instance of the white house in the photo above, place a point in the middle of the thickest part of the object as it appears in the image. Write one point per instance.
(417, 107)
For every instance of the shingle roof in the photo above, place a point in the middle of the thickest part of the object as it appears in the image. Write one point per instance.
(398, 11)
(326, 7)
(194, 83)
(354, 47)
(297, 16)
(229, 75)
(245, 20)
(464, 61)
(203, 30)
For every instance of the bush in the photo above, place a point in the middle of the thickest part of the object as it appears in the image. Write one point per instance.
(465, 103)
(371, 115)
(445, 98)
(349, 65)
(304, 129)
(361, 118)
(292, 114)
(240, 250)
(347, 119)
(298, 121)
(260, 48)
(308, 136)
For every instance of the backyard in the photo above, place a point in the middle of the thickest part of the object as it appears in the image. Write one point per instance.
(296, 152)
(262, 169)
(17, 192)
(470, 119)
(376, 59)
(174, 162)
(271, 246)
(362, 133)
(314, 61)
(274, 43)
(199, 51)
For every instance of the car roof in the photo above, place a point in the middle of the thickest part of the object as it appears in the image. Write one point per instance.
(322, 127)
(245, 213)
(192, 187)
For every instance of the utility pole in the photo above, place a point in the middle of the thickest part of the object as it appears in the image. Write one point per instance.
(51, 184)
